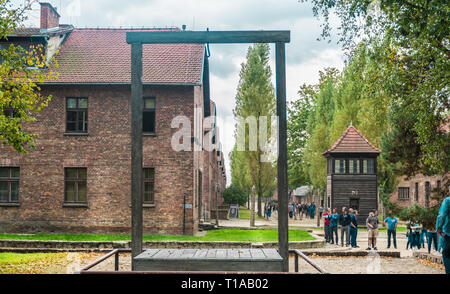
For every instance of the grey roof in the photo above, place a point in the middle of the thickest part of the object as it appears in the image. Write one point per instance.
(301, 191)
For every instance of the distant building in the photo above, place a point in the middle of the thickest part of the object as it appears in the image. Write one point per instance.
(300, 194)
(352, 173)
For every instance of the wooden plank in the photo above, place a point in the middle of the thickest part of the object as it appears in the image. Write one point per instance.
(271, 253)
(202, 37)
(211, 253)
(233, 254)
(149, 253)
(257, 254)
(244, 254)
(176, 254)
(136, 149)
(282, 155)
(188, 253)
(221, 253)
(162, 254)
(255, 260)
(200, 253)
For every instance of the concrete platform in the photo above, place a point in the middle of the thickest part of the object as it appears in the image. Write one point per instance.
(230, 260)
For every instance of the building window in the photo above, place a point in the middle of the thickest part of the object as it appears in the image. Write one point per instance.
(9, 184)
(149, 185)
(368, 166)
(75, 185)
(77, 115)
(339, 166)
(438, 186)
(353, 166)
(403, 193)
(427, 194)
(416, 192)
(148, 117)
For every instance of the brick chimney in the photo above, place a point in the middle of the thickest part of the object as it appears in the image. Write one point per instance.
(49, 16)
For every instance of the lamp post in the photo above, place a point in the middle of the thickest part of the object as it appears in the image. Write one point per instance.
(252, 208)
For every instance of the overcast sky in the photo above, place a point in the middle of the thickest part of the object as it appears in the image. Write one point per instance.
(304, 54)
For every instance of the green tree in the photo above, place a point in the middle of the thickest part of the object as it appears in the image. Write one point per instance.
(399, 57)
(240, 175)
(21, 70)
(415, 62)
(299, 112)
(256, 98)
(320, 123)
(234, 195)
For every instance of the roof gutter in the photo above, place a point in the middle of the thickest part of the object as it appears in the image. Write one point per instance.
(117, 84)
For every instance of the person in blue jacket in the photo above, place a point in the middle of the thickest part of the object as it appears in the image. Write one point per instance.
(334, 227)
(409, 236)
(443, 229)
(353, 228)
(391, 223)
(312, 210)
(423, 232)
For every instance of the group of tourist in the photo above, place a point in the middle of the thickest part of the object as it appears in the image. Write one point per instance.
(301, 210)
(347, 223)
(417, 233)
(268, 209)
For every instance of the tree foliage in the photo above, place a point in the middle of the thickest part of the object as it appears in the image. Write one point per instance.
(413, 54)
(21, 71)
(394, 88)
(255, 98)
(298, 134)
(234, 195)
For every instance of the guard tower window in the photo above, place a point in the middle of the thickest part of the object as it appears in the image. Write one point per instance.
(339, 166)
(148, 117)
(368, 166)
(353, 166)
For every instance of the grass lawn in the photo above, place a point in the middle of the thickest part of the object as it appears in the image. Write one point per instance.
(214, 235)
(29, 263)
(244, 213)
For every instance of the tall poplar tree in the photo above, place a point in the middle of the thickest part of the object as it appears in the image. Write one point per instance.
(256, 98)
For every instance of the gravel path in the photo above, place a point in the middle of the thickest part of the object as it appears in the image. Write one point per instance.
(369, 265)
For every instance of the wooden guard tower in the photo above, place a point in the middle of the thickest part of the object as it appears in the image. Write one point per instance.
(352, 173)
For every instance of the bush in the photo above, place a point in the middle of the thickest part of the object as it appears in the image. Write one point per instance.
(234, 195)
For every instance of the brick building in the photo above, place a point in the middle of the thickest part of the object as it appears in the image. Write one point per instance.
(78, 179)
(419, 188)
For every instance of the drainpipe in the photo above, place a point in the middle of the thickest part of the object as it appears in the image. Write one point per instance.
(184, 213)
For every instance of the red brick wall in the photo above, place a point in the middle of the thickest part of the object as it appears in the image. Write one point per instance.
(106, 154)
(411, 183)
